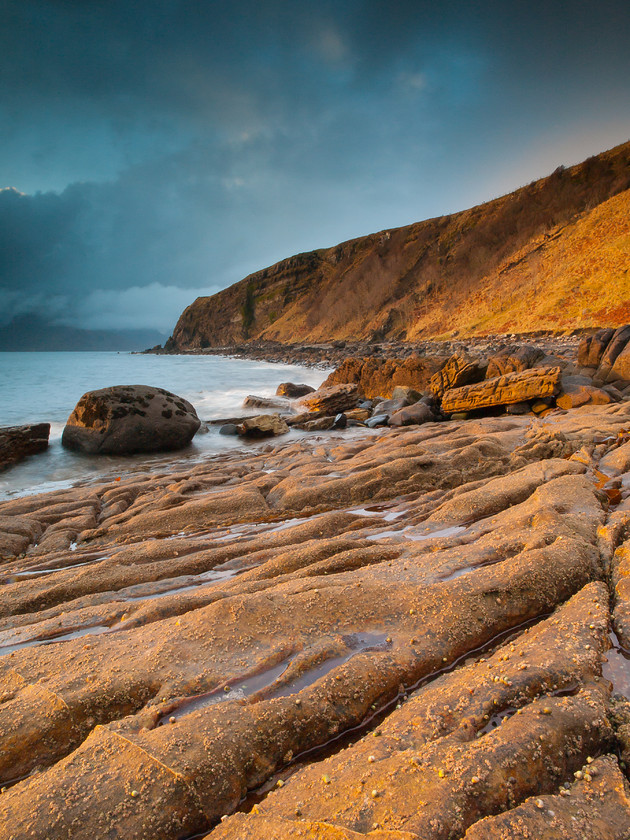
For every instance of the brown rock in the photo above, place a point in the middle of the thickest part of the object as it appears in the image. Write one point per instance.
(503, 390)
(577, 391)
(379, 377)
(597, 805)
(252, 401)
(125, 419)
(615, 346)
(292, 391)
(412, 415)
(331, 399)
(513, 360)
(621, 368)
(16, 442)
(263, 425)
(592, 348)
(460, 370)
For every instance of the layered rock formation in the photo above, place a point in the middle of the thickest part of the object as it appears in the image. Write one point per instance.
(428, 606)
(551, 255)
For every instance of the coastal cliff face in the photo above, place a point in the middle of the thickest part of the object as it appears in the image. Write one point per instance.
(551, 255)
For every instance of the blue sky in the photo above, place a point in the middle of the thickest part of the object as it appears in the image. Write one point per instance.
(158, 150)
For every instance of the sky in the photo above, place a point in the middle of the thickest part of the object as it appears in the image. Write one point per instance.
(157, 150)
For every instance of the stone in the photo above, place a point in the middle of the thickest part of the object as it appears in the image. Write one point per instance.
(459, 370)
(378, 377)
(377, 420)
(513, 360)
(16, 442)
(229, 429)
(331, 399)
(263, 425)
(389, 406)
(412, 415)
(578, 390)
(252, 401)
(518, 408)
(404, 392)
(124, 419)
(292, 391)
(358, 414)
(538, 406)
(503, 390)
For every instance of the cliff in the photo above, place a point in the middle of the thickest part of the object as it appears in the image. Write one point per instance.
(551, 255)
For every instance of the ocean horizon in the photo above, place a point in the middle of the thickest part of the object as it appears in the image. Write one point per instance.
(44, 387)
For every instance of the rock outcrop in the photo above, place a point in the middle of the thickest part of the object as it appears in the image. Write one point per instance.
(399, 635)
(607, 355)
(376, 377)
(460, 369)
(16, 442)
(531, 384)
(125, 419)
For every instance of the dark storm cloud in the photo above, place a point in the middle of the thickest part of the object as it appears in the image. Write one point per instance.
(179, 145)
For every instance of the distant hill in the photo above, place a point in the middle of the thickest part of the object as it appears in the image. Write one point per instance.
(553, 255)
(30, 332)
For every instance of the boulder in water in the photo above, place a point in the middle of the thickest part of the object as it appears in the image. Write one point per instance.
(125, 419)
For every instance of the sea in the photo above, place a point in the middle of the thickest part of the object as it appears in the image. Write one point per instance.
(45, 387)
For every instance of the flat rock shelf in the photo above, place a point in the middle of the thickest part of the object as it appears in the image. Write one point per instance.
(415, 633)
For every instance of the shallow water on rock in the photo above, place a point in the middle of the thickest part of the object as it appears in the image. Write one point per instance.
(616, 666)
(64, 637)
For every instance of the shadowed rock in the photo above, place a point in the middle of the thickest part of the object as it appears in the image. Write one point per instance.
(16, 442)
(125, 419)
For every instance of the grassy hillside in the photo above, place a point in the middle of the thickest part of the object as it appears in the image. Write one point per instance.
(551, 255)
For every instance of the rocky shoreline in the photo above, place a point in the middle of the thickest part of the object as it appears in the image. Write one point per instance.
(332, 354)
(400, 632)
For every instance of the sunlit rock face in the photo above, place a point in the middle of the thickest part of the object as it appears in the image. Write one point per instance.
(125, 419)
(400, 633)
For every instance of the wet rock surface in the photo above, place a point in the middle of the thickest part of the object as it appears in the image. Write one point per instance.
(392, 633)
(17, 442)
(125, 419)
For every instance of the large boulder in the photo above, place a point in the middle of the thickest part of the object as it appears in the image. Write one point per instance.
(16, 442)
(331, 399)
(503, 390)
(264, 425)
(125, 419)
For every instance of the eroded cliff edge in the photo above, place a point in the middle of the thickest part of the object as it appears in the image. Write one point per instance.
(553, 254)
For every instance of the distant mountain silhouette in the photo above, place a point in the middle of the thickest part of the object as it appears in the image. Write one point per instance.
(553, 255)
(31, 332)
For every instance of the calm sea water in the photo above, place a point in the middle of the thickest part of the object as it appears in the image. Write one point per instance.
(45, 387)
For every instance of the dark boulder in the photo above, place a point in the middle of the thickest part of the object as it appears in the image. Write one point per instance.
(292, 391)
(16, 442)
(412, 415)
(125, 419)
